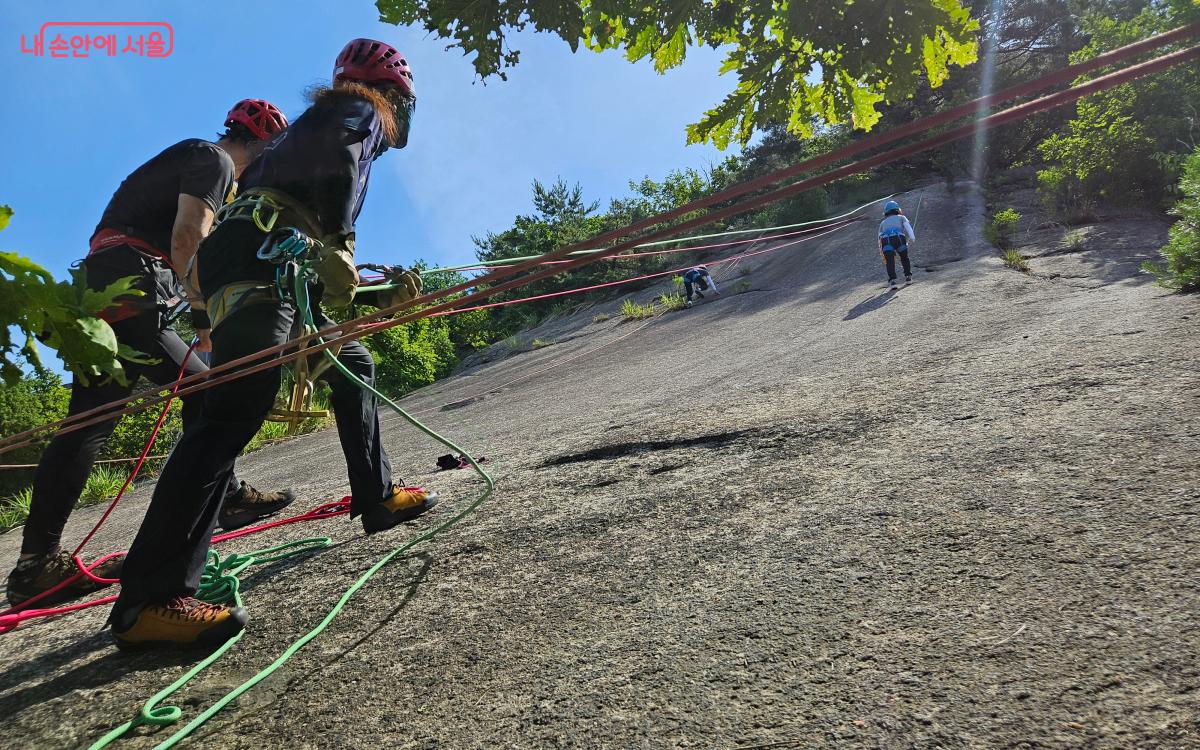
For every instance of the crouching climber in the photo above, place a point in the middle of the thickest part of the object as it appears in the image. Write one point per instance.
(308, 186)
(895, 237)
(149, 231)
(696, 281)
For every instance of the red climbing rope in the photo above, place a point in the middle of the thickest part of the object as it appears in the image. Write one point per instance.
(11, 618)
(351, 330)
(730, 259)
(690, 248)
(84, 569)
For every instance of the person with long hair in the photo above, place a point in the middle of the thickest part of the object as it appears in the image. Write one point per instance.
(308, 185)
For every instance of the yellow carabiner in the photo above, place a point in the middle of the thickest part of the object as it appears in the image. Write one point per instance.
(259, 202)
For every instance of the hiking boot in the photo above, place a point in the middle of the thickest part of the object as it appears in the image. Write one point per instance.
(891, 283)
(42, 573)
(245, 505)
(402, 504)
(907, 279)
(182, 622)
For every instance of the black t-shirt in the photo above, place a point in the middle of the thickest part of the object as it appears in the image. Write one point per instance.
(145, 204)
(324, 160)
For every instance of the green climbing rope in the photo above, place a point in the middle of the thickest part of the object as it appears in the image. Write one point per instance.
(224, 576)
(219, 584)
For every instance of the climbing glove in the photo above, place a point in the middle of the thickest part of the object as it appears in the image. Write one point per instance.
(334, 264)
(406, 285)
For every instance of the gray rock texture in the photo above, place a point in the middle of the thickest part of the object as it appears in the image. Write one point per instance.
(816, 513)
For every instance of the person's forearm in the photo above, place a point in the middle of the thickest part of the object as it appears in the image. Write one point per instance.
(184, 243)
(193, 219)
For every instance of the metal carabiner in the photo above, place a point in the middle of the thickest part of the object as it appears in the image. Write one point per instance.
(285, 244)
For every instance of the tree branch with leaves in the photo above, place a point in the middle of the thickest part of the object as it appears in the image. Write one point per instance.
(798, 62)
(63, 316)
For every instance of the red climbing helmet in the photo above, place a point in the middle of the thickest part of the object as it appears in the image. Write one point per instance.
(262, 118)
(371, 61)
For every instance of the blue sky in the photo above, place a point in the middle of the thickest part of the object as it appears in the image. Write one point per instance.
(76, 127)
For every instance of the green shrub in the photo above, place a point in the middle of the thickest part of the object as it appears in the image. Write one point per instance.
(267, 434)
(1001, 229)
(678, 281)
(1015, 260)
(14, 510)
(600, 317)
(1123, 145)
(743, 286)
(102, 484)
(1182, 251)
(411, 355)
(26, 404)
(1074, 241)
(131, 433)
(671, 302)
(631, 310)
(542, 343)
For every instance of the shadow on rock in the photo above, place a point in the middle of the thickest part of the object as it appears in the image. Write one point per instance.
(870, 304)
(93, 673)
(419, 578)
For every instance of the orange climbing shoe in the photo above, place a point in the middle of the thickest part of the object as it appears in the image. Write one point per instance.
(402, 504)
(183, 622)
(42, 573)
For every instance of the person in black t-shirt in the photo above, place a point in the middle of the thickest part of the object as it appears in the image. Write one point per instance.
(311, 179)
(152, 225)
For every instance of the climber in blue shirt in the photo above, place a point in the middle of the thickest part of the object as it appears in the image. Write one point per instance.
(895, 236)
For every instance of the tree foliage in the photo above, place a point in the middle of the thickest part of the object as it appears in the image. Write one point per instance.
(1182, 252)
(797, 62)
(1126, 144)
(62, 315)
(24, 404)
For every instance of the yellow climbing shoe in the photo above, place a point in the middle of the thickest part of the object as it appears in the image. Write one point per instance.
(183, 622)
(402, 504)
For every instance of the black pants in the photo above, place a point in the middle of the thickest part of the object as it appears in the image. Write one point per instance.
(68, 460)
(690, 288)
(889, 257)
(169, 553)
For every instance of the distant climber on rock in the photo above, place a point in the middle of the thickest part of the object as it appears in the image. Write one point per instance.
(895, 236)
(299, 199)
(696, 281)
(149, 231)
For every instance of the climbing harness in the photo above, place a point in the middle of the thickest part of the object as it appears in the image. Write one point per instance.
(266, 207)
(286, 248)
(233, 297)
